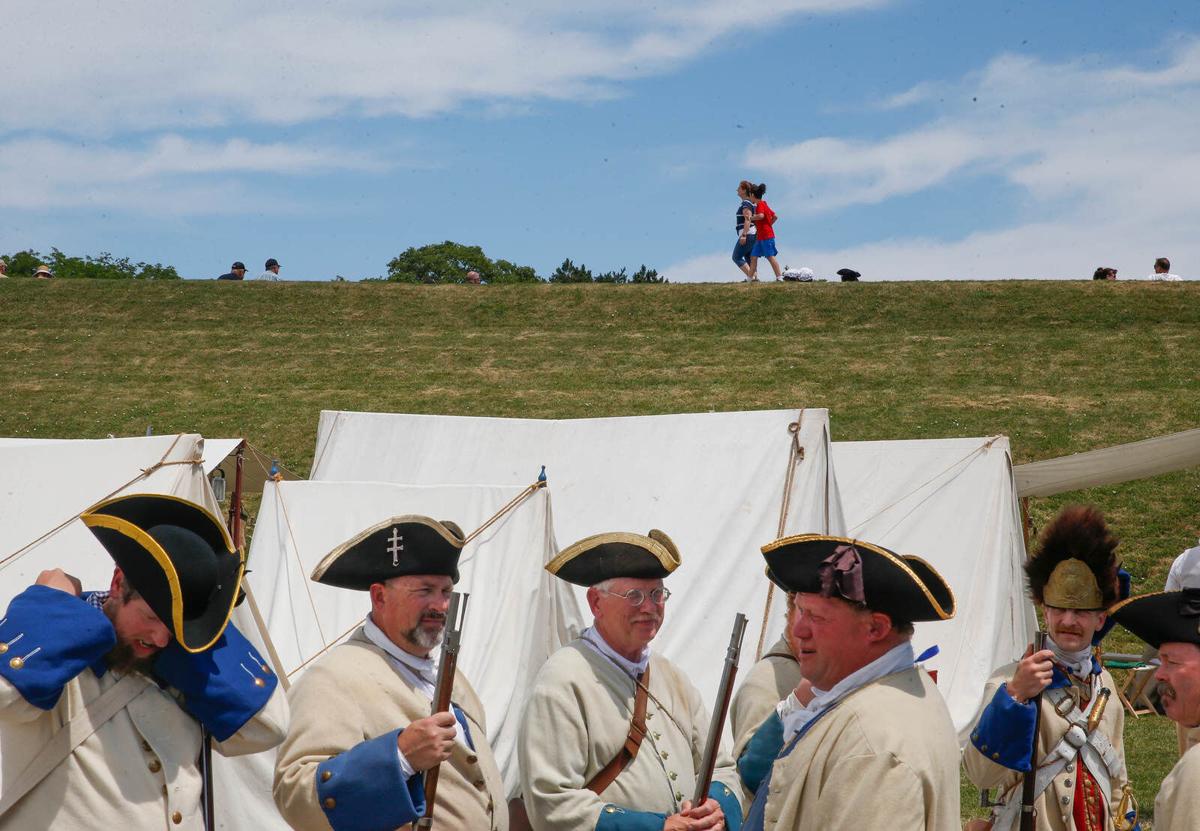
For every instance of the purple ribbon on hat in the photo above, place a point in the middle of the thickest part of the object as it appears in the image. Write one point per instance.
(841, 574)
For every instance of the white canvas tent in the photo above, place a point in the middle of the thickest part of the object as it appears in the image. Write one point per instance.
(1109, 465)
(47, 484)
(951, 502)
(714, 482)
(516, 617)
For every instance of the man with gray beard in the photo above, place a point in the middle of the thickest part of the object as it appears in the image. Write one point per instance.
(380, 684)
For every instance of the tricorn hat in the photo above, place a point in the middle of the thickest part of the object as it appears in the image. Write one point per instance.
(179, 558)
(1075, 565)
(1162, 617)
(906, 588)
(396, 547)
(602, 557)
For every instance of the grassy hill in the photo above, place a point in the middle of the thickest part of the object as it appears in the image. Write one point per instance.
(1058, 367)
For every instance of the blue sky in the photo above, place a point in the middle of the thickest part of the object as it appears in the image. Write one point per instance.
(904, 139)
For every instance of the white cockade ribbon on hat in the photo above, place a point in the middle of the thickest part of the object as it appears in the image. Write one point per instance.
(795, 717)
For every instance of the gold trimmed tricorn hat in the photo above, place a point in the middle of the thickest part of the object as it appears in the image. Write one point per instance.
(1075, 565)
(602, 557)
(396, 547)
(1162, 617)
(178, 556)
(906, 588)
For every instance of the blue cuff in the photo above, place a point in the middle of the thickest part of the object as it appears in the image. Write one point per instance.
(729, 804)
(761, 752)
(616, 818)
(47, 637)
(1004, 733)
(362, 789)
(223, 687)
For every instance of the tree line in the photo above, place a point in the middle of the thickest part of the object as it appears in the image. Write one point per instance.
(103, 267)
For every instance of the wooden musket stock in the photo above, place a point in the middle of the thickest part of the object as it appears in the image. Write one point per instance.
(1028, 816)
(445, 685)
(717, 727)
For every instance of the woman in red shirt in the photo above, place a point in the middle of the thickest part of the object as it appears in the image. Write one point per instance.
(764, 244)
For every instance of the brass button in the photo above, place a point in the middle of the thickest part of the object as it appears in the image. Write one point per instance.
(480, 784)
(265, 668)
(657, 736)
(673, 775)
(984, 748)
(17, 662)
(330, 802)
(678, 795)
(472, 759)
(995, 757)
(665, 754)
(649, 716)
(326, 776)
(3, 648)
(608, 809)
(1070, 767)
(1067, 783)
(258, 682)
(176, 817)
(155, 766)
(1066, 800)
(975, 736)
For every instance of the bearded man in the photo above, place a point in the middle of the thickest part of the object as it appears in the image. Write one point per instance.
(613, 735)
(1170, 622)
(103, 695)
(326, 774)
(1080, 779)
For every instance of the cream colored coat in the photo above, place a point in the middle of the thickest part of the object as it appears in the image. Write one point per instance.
(138, 770)
(884, 759)
(1057, 815)
(1177, 806)
(767, 683)
(354, 694)
(575, 722)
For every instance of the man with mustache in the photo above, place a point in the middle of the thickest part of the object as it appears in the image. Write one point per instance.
(380, 684)
(613, 735)
(1170, 622)
(103, 694)
(1080, 777)
(871, 745)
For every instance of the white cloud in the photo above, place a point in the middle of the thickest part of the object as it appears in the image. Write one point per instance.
(170, 173)
(1103, 159)
(142, 65)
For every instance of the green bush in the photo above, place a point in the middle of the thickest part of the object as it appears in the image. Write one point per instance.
(449, 262)
(103, 267)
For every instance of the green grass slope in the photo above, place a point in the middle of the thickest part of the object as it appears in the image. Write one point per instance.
(1058, 367)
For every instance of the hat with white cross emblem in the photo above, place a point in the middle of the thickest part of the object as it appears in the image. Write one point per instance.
(396, 547)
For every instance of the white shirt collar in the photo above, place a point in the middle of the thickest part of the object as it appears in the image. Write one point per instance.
(423, 670)
(795, 717)
(592, 637)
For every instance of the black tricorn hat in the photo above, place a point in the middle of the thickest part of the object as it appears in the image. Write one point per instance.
(905, 588)
(1162, 617)
(396, 547)
(179, 558)
(602, 557)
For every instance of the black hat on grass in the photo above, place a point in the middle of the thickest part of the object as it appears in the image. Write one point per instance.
(177, 556)
(905, 588)
(396, 547)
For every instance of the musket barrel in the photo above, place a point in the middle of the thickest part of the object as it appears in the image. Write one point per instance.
(717, 725)
(455, 616)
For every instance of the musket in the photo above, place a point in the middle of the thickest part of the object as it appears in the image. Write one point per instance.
(445, 685)
(206, 777)
(1028, 815)
(717, 727)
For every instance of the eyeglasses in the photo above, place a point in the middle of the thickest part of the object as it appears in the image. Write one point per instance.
(636, 597)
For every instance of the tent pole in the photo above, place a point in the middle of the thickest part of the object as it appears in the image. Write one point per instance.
(235, 504)
(266, 636)
(1026, 525)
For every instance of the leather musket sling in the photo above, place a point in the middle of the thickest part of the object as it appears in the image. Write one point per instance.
(629, 750)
